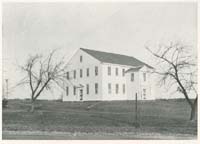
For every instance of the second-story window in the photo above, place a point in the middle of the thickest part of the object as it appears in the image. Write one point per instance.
(81, 58)
(96, 70)
(132, 77)
(87, 72)
(116, 71)
(123, 72)
(67, 75)
(109, 70)
(144, 76)
(74, 74)
(81, 73)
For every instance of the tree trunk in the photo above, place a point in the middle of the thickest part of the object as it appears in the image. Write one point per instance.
(193, 114)
(32, 106)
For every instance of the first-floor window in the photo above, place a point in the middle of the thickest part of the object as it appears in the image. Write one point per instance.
(74, 90)
(124, 89)
(96, 88)
(81, 73)
(144, 93)
(117, 88)
(67, 91)
(87, 87)
(87, 71)
(109, 88)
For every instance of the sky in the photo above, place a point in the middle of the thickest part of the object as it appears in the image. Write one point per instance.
(119, 27)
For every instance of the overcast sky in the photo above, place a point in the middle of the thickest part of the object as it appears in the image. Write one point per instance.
(118, 27)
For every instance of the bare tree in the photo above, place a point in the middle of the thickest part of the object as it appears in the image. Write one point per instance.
(178, 68)
(43, 73)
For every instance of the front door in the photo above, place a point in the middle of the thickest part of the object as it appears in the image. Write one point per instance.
(81, 94)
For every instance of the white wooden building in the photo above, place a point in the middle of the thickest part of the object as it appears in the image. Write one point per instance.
(98, 76)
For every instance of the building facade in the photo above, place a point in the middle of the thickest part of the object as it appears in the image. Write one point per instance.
(98, 76)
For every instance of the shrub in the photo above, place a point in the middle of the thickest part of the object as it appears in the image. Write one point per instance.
(5, 103)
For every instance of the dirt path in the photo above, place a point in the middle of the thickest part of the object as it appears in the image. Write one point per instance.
(38, 135)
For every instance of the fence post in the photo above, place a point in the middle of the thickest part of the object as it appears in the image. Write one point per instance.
(136, 108)
(136, 112)
(6, 88)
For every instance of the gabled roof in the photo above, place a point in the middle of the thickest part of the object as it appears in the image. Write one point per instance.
(115, 58)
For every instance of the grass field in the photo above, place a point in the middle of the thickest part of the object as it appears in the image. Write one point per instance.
(161, 117)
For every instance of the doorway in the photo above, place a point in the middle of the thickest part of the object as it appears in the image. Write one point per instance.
(81, 94)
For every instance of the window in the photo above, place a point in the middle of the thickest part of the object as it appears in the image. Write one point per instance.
(117, 89)
(123, 72)
(81, 58)
(81, 73)
(96, 88)
(132, 77)
(87, 72)
(124, 89)
(109, 88)
(144, 93)
(67, 75)
(109, 70)
(67, 91)
(87, 87)
(116, 71)
(96, 70)
(81, 94)
(74, 74)
(74, 90)
(144, 76)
